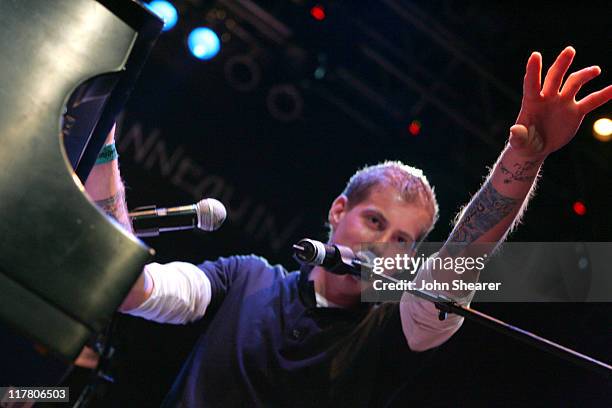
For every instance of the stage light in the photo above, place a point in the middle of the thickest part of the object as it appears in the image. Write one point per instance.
(318, 12)
(203, 43)
(579, 208)
(414, 127)
(602, 129)
(320, 73)
(166, 11)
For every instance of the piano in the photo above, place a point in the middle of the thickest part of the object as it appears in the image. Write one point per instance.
(66, 69)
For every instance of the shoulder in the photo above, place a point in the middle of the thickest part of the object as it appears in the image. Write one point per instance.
(241, 275)
(243, 267)
(244, 261)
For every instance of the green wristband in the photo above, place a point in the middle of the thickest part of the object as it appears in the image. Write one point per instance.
(107, 154)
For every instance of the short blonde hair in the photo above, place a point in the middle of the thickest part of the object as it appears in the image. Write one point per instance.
(409, 181)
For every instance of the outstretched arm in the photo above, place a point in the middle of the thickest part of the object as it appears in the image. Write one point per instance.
(548, 120)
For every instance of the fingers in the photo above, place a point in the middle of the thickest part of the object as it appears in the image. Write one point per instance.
(595, 100)
(577, 79)
(557, 70)
(533, 72)
(525, 139)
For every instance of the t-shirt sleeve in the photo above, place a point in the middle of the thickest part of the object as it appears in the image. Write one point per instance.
(221, 273)
(235, 271)
(182, 292)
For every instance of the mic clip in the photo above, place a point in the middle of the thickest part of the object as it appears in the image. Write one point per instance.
(146, 232)
(336, 259)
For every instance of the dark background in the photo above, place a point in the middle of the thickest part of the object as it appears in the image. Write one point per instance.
(276, 145)
(455, 66)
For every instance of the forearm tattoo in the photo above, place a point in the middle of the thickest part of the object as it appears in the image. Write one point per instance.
(487, 209)
(115, 207)
(111, 205)
(519, 172)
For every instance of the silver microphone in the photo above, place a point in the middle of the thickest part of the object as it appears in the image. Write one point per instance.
(208, 215)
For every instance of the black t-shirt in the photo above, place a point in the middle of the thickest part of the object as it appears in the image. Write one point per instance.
(268, 344)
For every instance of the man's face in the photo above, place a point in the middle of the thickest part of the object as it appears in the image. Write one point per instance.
(382, 218)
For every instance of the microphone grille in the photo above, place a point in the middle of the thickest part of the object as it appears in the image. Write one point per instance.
(211, 214)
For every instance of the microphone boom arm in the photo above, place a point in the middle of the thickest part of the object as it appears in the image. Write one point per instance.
(343, 261)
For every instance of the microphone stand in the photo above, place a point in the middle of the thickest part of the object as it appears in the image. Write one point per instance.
(364, 271)
(100, 374)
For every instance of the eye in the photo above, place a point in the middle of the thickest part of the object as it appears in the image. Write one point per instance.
(374, 220)
(405, 240)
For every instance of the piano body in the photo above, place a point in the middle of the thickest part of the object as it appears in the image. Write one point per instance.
(66, 69)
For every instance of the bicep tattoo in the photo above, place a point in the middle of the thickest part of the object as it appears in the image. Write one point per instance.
(115, 207)
(112, 205)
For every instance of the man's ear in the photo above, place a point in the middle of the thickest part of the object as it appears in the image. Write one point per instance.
(337, 210)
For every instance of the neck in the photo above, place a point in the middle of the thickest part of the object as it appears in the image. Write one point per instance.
(329, 286)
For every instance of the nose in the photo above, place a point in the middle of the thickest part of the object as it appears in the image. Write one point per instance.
(387, 237)
(393, 246)
(378, 244)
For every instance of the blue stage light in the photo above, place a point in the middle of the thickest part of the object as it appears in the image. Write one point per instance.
(166, 11)
(203, 43)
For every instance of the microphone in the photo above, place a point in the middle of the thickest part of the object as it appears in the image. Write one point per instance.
(208, 215)
(337, 259)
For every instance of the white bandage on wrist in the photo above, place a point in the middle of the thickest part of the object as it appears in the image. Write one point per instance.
(181, 293)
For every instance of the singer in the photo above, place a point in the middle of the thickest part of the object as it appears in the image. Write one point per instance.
(304, 338)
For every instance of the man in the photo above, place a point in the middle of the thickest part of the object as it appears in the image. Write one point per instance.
(304, 339)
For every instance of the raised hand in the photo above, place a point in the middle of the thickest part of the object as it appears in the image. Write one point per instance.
(550, 114)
